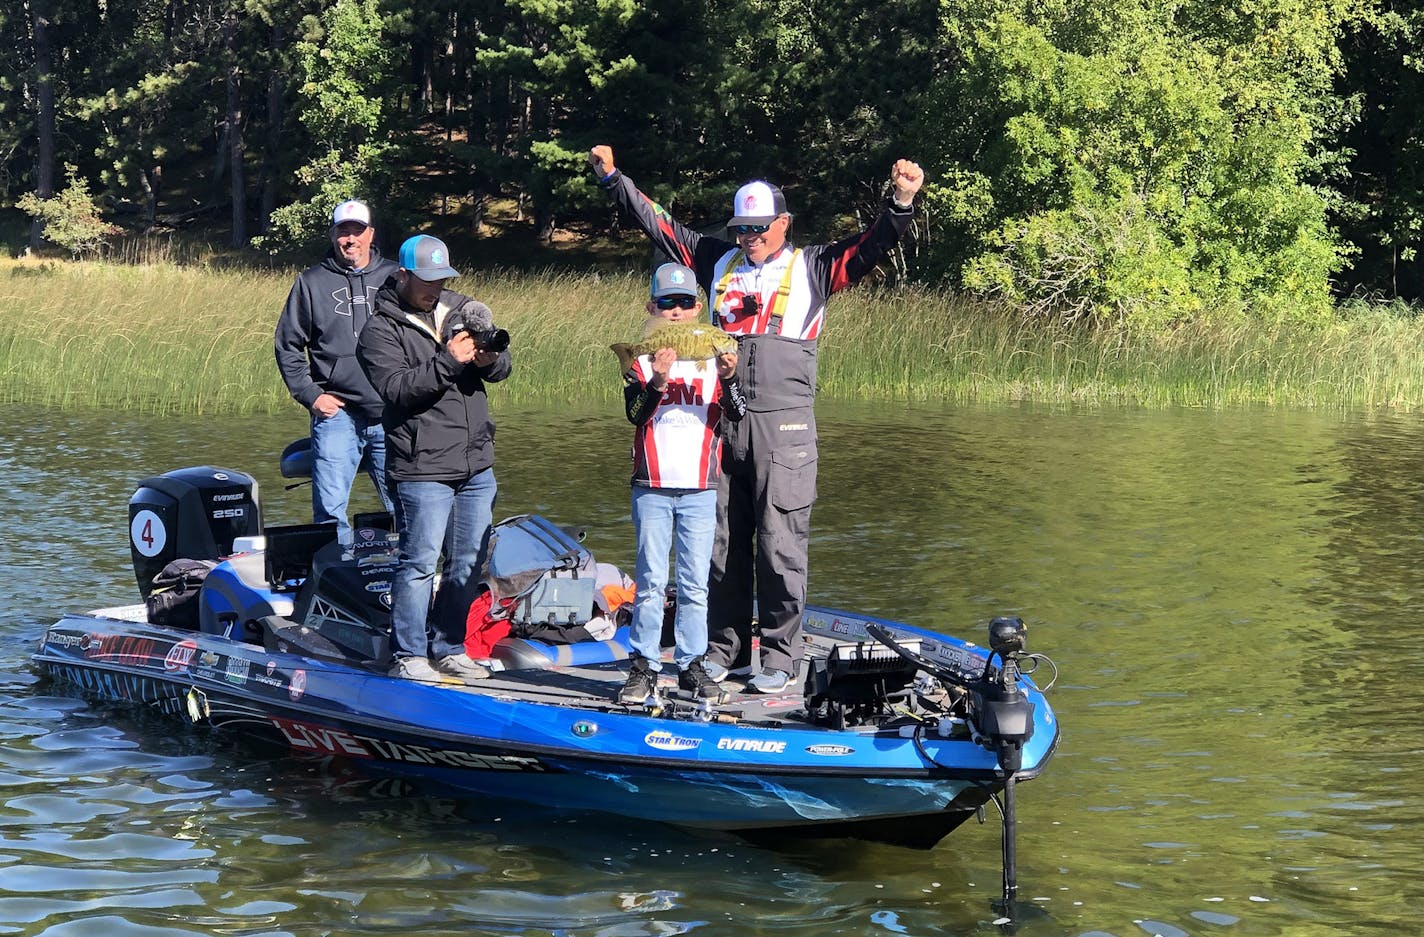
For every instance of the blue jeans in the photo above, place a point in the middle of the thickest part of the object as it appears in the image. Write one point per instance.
(429, 516)
(661, 515)
(337, 444)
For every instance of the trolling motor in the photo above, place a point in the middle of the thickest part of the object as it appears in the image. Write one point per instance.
(1003, 716)
(1003, 719)
(1000, 715)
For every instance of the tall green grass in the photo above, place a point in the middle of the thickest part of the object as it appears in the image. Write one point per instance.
(163, 338)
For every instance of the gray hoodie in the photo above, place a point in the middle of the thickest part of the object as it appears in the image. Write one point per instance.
(315, 341)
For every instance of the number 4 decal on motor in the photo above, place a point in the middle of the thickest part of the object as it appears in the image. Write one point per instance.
(148, 534)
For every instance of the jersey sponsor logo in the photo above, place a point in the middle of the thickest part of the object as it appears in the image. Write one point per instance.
(682, 392)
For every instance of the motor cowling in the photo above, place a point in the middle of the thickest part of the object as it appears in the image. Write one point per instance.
(193, 513)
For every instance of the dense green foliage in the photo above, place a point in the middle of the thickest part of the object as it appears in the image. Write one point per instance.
(1139, 162)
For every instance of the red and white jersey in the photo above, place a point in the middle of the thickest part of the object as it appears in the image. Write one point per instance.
(680, 447)
(746, 297)
(763, 300)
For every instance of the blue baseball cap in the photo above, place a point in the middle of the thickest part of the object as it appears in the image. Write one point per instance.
(427, 257)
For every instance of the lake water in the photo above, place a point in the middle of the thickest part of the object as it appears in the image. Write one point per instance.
(1232, 600)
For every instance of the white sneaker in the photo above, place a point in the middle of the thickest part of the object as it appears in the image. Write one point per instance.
(414, 668)
(462, 666)
(769, 681)
(718, 673)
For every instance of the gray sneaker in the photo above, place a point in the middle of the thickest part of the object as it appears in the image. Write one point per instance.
(769, 681)
(414, 668)
(462, 666)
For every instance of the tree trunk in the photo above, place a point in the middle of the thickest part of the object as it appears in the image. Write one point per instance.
(233, 132)
(44, 113)
(271, 159)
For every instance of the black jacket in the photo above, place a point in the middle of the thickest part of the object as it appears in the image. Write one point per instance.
(437, 420)
(315, 340)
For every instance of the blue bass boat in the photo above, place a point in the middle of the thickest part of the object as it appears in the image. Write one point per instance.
(889, 731)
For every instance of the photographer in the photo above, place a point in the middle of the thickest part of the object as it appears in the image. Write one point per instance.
(429, 352)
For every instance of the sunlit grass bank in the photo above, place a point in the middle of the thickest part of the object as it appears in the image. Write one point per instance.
(162, 338)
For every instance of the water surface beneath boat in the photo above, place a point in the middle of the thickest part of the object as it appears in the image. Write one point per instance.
(1232, 598)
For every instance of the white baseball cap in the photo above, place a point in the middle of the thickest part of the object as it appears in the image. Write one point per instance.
(757, 203)
(351, 211)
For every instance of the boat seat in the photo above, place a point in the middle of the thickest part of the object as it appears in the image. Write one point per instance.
(526, 654)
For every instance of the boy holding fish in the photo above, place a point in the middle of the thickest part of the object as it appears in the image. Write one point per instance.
(680, 382)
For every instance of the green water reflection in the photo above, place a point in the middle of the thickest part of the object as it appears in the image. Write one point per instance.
(1232, 600)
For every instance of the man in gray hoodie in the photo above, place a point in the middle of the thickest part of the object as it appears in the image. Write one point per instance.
(315, 342)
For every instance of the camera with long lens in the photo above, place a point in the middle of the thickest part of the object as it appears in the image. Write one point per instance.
(495, 340)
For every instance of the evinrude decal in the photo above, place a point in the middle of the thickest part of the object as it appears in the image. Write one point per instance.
(298, 685)
(329, 741)
(666, 741)
(764, 746)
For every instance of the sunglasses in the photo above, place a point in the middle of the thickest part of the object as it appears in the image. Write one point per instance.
(750, 228)
(676, 302)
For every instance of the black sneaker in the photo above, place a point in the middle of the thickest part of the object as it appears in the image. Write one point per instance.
(696, 681)
(642, 682)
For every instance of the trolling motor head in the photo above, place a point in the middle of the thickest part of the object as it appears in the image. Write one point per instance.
(1008, 637)
(1003, 716)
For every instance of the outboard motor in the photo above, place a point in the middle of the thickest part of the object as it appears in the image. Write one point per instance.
(194, 513)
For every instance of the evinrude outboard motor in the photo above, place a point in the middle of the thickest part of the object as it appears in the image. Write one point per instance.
(193, 513)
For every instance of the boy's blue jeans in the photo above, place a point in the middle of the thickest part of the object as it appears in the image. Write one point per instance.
(663, 518)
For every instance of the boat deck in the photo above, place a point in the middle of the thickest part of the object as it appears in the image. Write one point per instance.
(594, 687)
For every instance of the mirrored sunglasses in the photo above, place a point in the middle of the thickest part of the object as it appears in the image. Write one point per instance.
(676, 302)
(750, 228)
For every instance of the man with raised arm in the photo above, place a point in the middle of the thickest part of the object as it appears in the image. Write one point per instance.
(772, 296)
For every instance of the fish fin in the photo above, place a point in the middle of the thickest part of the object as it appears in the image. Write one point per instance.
(624, 351)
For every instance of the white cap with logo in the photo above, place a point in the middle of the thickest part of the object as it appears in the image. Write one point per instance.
(351, 211)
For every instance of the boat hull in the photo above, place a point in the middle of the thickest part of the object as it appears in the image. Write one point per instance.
(543, 742)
